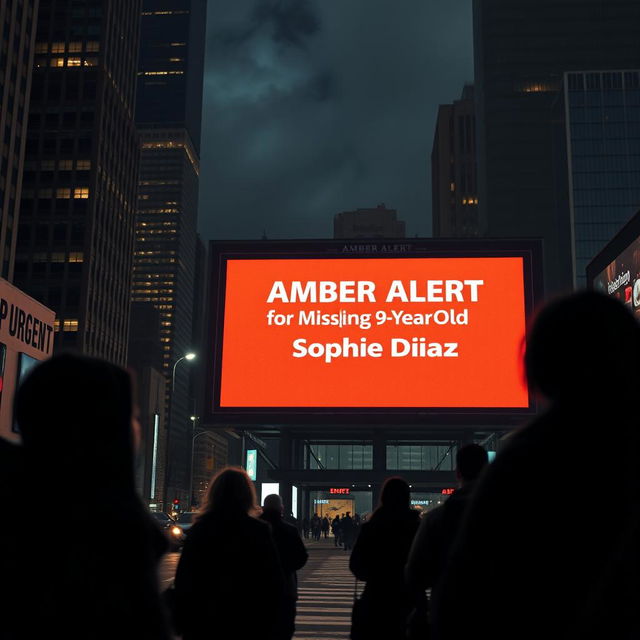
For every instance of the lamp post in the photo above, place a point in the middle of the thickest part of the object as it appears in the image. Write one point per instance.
(195, 436)
(187, 356)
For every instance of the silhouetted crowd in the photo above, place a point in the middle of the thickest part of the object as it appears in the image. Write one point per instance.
(542, 542)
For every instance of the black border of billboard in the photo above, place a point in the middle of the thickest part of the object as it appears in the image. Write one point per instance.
(617, 245)
(221, 251)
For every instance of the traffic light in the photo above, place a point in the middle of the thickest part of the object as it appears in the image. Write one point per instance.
(176, 501)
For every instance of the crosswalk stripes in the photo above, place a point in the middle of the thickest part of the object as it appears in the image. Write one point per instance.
(325, 588)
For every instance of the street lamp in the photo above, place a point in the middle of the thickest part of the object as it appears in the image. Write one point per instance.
(187, 356)
(193, 447)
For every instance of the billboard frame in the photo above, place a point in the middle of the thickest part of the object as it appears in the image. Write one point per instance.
(530, 249)
(613, 249)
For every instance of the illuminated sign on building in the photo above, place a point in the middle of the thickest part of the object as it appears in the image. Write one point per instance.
(447, 492)
(252, 463)
(340, 491)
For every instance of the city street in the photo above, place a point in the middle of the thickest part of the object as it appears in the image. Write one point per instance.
(325, 586)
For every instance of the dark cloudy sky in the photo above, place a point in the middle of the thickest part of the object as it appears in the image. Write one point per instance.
(313, 107)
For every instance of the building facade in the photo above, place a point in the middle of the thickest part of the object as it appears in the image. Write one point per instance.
(454, 174)
(522, 51)
(602, 112)
(168, 116)
(76, 234)
(17, 38)
(377, 222)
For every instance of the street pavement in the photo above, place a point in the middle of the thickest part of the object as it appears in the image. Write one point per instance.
(325, 587)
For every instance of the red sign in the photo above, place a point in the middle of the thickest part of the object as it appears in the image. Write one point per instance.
(447, 492)
(342, 492)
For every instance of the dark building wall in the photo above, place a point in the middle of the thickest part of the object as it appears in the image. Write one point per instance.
(75, 242)
(171, 65)
(378, 222)
(454, 185)
(17, 37)
(522, 50)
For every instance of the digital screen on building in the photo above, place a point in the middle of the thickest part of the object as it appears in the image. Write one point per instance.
(621, 277)
(371, 333)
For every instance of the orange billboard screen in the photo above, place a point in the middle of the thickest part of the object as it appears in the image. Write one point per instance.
(402, 333)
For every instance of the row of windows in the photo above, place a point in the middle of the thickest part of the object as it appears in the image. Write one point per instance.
(604, 80)
(599, 115)
(93, 46)
(608, 180)
(602, 197)
(409, 457)
(67, 325)
(62, 165)
(78, 193)
(601, 146)
(66, 62)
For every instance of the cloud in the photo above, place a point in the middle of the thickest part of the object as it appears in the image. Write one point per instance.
(312, 108)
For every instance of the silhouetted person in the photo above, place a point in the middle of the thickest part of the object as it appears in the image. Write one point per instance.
(379, 558)
(229, 583)
(13, 499)
(305, 526)
(293, 556)
(325, 527)
(549, 543)
(437, 531)
(315, 526)
(335, 529)
(347, 531)
(89, 548)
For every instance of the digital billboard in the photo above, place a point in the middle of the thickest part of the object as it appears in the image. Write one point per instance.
(298, 333)
(616, 270)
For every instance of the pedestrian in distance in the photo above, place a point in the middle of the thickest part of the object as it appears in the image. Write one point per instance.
(316, 523)
(293, 556)
(528, 563)
(378, 559)
(335, 529)
(89, 550)
(229, 583)
(347, 530)
(325, 527)
(438, 529)
(306, 526)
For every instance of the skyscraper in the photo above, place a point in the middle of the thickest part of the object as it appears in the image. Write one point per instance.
(454, 179)
(522, 51)
(602, 112)
(168, 115)
(17, 37)
(75, 241)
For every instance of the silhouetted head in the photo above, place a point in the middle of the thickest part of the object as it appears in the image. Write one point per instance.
(75, 417)
(273, 502)
(584, 348)
(395, 494)
(230, 492)
(471, 459)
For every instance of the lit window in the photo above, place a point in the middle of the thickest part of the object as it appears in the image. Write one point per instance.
(76, 256)
(176, 59)
(83, 165)
(81, 194)
(56, 325)
(70, 325)
(75, 47)
(42, 47)
(91, 62)
(57, 47)
(452, 186)
(93, 46)
(63, 193)
(178, 44)
(57, 62)
(74, 62)
(41, 62)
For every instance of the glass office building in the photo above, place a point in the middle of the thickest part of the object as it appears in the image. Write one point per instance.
(603, 136)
